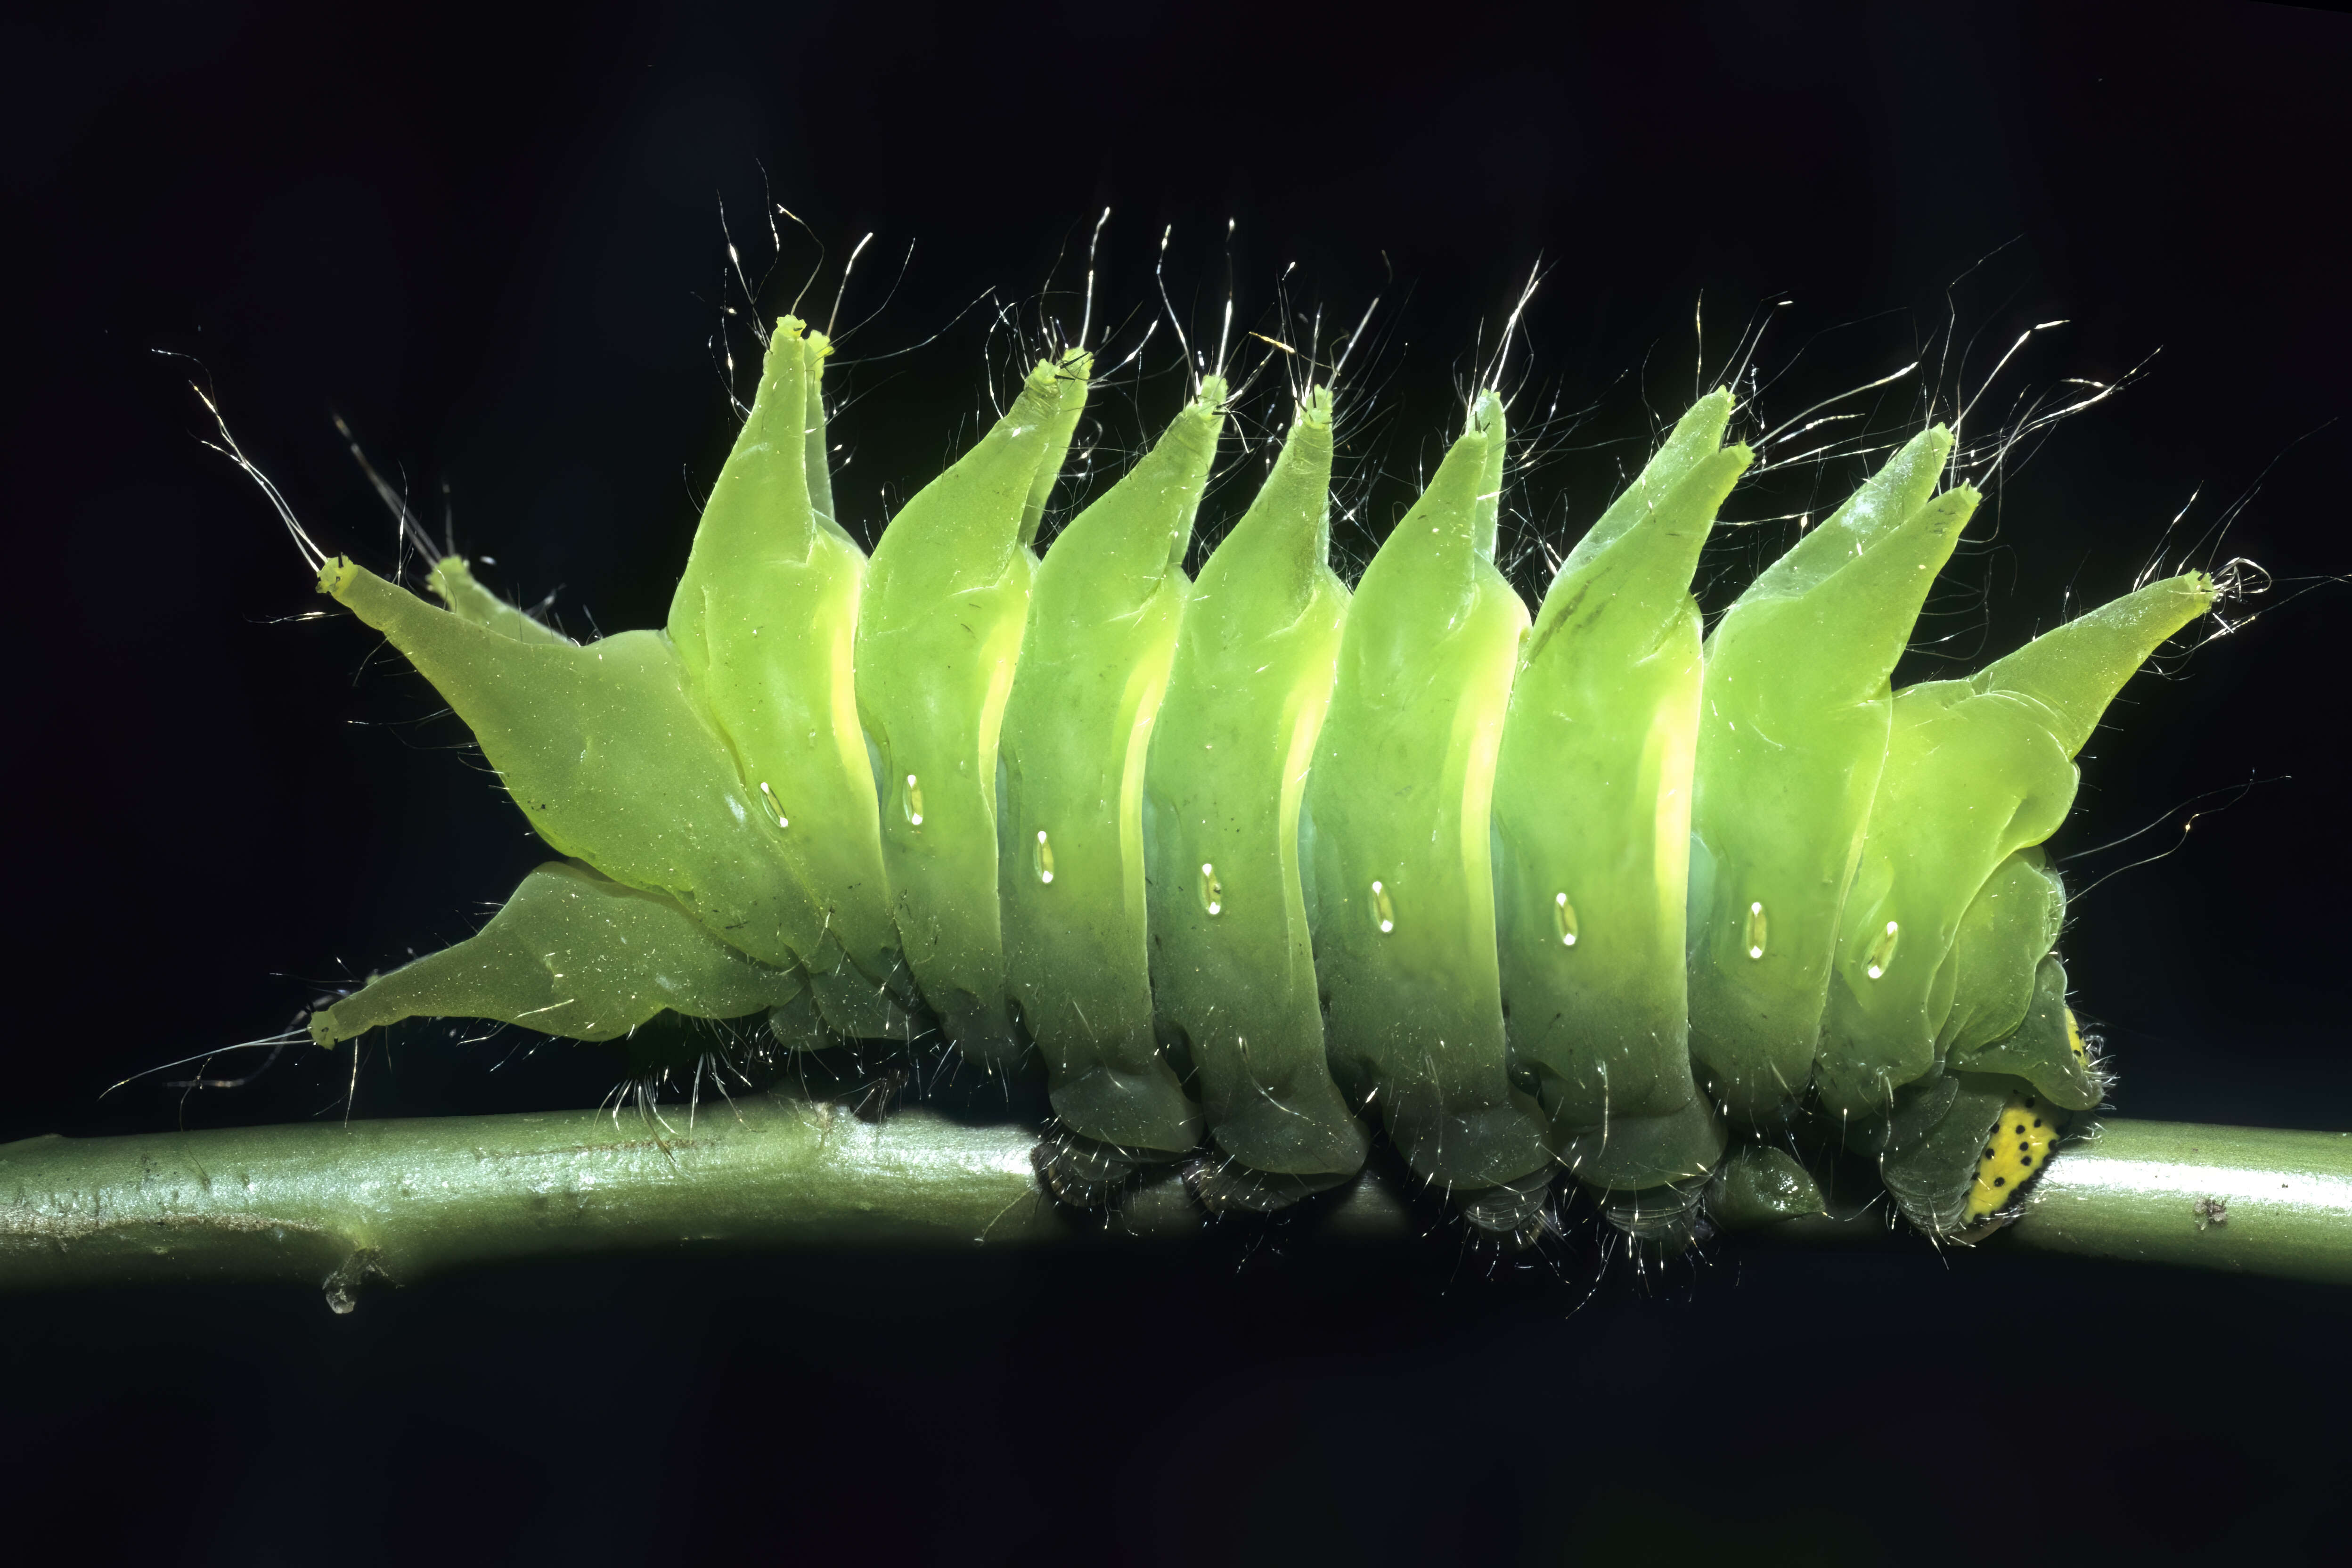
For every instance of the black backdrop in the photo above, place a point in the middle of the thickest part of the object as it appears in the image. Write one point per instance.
(496, 248)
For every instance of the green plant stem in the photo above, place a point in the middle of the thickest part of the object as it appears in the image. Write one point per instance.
(330, 1205)
(2271, 1202)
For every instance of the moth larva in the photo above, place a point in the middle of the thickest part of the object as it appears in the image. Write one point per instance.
(1251, 861)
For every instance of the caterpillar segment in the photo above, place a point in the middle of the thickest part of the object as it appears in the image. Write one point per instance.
(938, 634)
(1592, 811)
(1094, 665)
(764, 621)
(1252, 864)
(1400, 799)
(1794, 715)
(1233, 957)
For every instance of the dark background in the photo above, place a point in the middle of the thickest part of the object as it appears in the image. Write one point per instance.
(496, 248)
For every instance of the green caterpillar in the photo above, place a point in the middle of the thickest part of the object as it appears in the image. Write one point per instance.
(1249, 861)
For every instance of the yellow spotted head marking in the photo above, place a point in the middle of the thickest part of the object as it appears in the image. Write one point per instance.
(2018, 1146)
(2074, 1038)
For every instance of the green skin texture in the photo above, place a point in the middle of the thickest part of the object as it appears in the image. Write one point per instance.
(1592, 801)
(575, 954)
(1095, 662)
(1976, 770)
(1758, 1185)
(453, 582)
(1424, 734)
(1936, 1129)
(615, 764)
(947, 601)
(765, 620)
(1230, 754)
(2019, 909)
(1401, 796)
(1793, 733)
(2039, 1049)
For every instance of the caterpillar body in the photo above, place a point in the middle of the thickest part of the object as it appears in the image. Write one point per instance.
(1250, 863)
